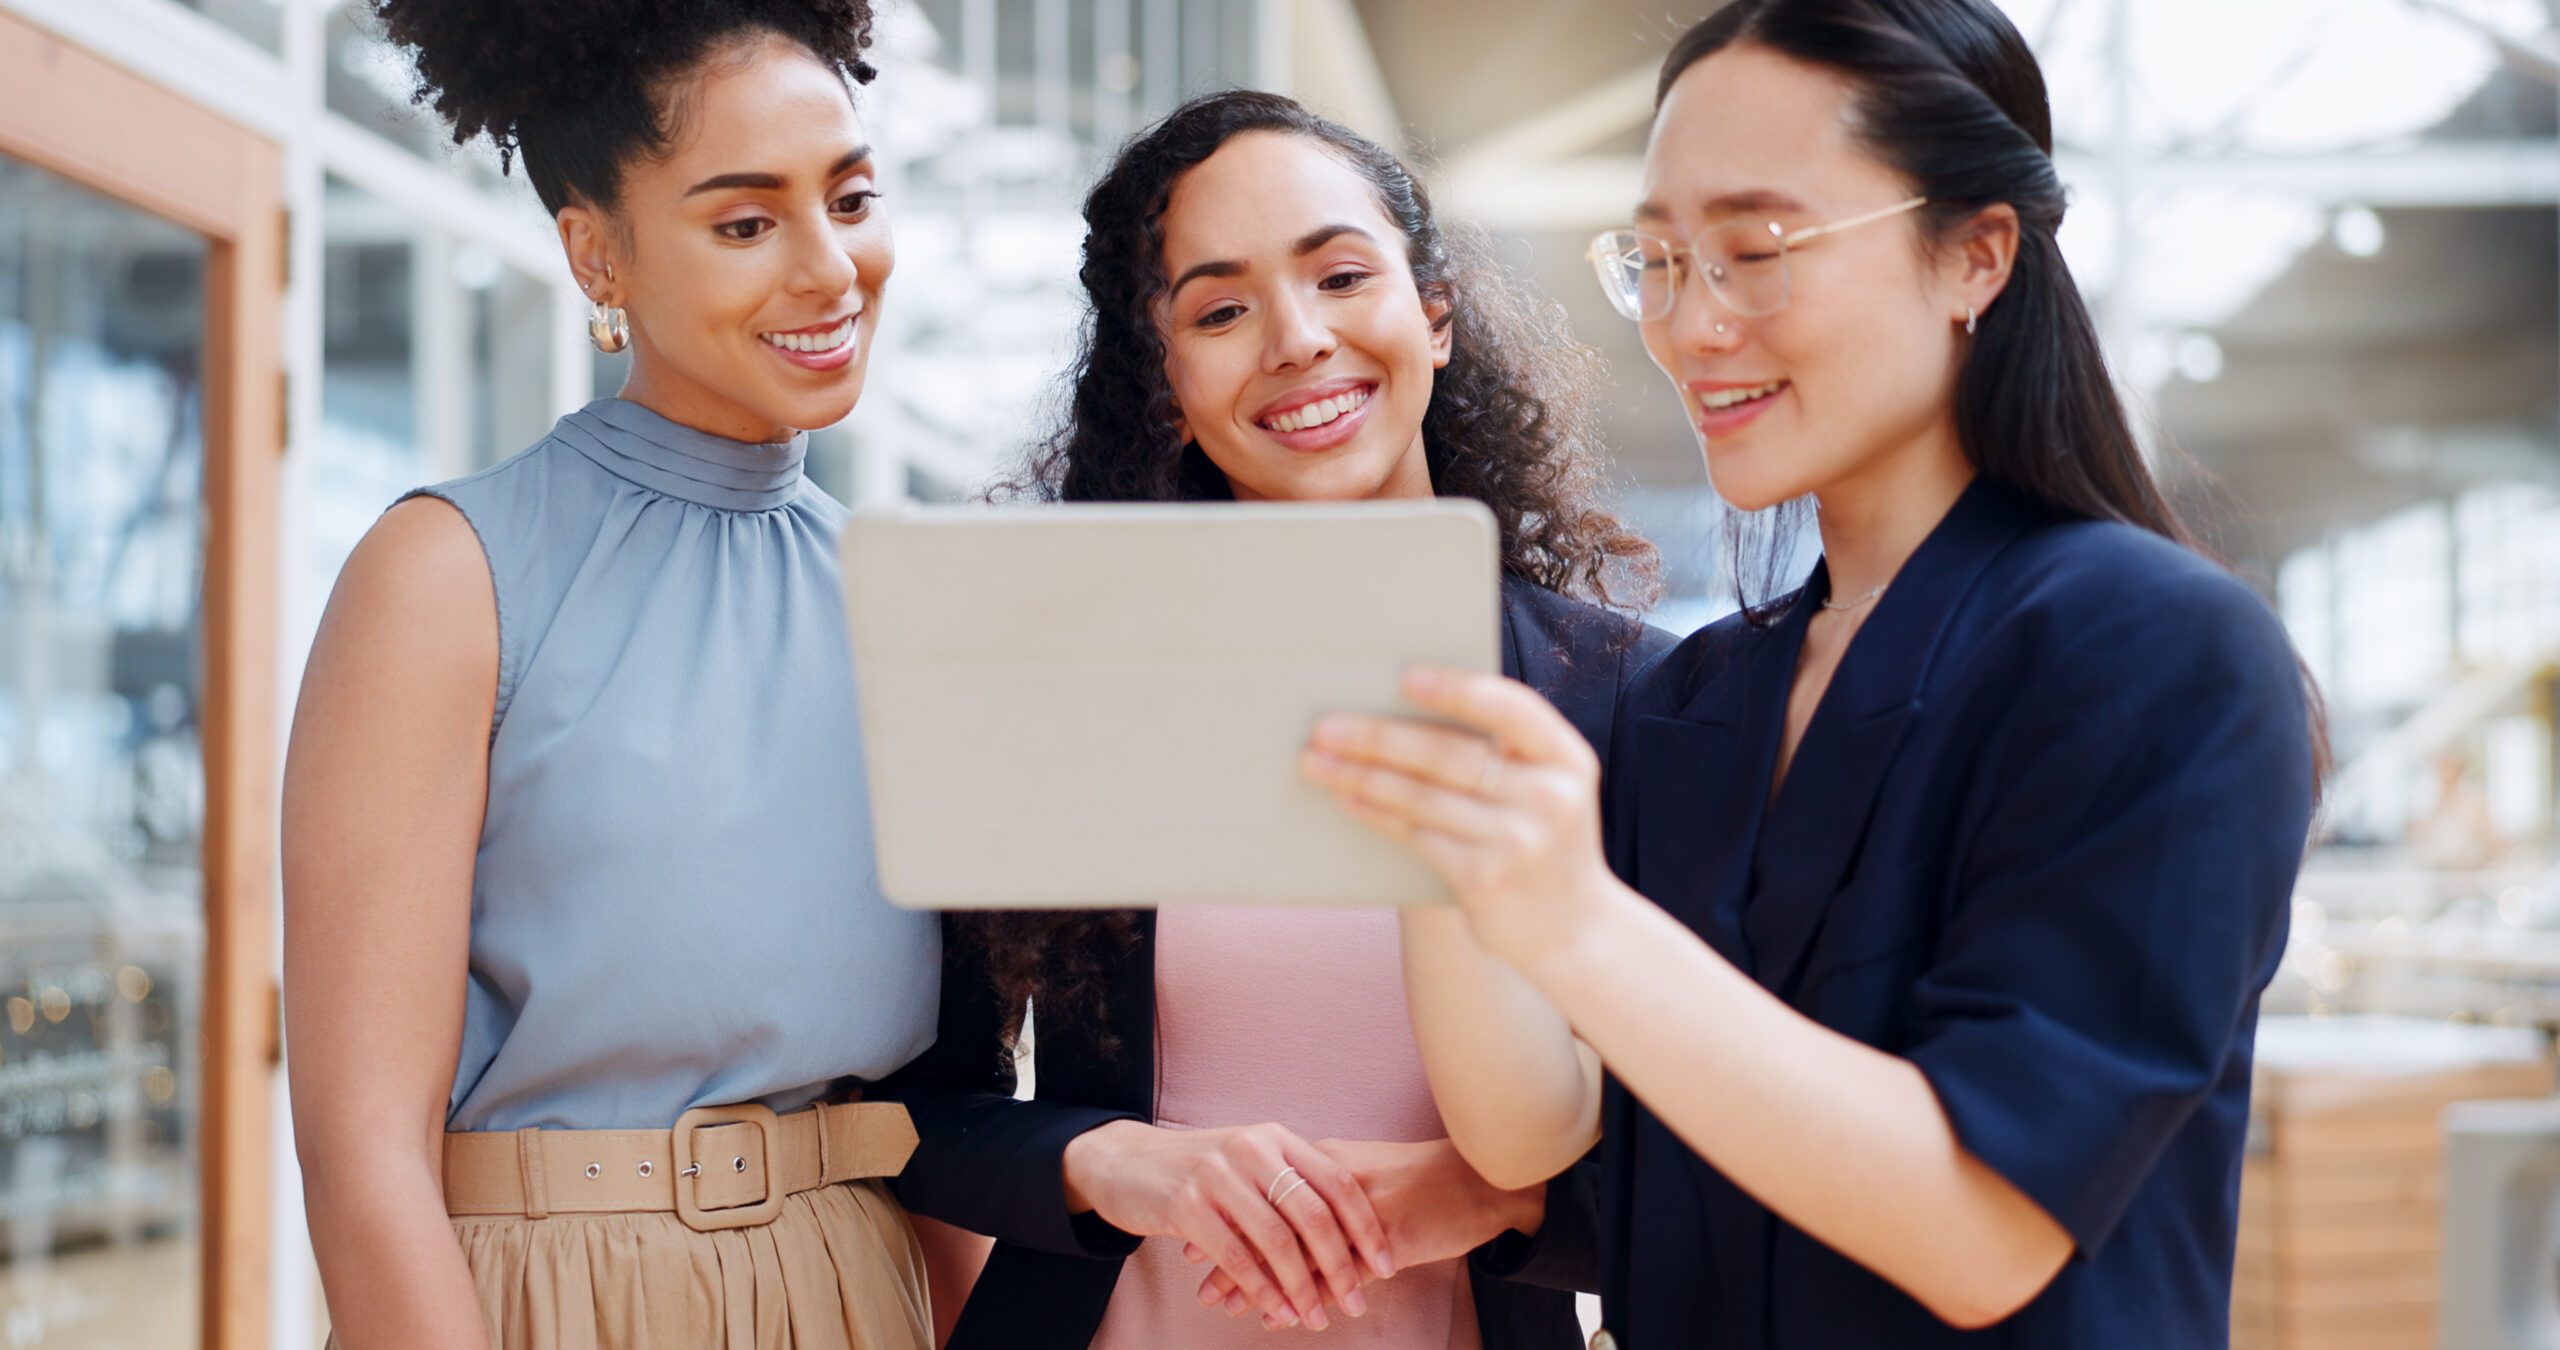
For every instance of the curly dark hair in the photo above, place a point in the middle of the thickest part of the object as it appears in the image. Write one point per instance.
(1510, 423)
(580, 88)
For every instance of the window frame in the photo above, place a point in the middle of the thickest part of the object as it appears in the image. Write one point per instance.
(83, 118)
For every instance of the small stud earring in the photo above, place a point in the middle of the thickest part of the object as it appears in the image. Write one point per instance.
(1721, 330)
(1972, 320)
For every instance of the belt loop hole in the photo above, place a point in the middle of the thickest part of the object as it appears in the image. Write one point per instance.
(537, 1198)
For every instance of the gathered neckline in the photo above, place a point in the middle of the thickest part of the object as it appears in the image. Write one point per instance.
(633, 443)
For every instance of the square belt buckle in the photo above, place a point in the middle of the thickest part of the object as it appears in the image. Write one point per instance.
(688, 1172)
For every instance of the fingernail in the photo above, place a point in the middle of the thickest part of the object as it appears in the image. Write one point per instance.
(1331, 731)
(1354, 1304)
(1315, 1318)
(1422, 680)
(1385, 1262)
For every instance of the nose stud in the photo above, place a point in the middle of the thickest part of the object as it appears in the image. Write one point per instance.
(1722, 329)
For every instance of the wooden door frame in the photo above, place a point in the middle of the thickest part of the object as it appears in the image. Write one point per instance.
(73, 113)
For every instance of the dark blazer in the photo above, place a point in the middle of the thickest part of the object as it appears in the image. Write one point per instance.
(2040, 839)
(990, 1164)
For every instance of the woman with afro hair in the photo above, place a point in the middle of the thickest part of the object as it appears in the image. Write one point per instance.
(1275, 314)
(584, 971)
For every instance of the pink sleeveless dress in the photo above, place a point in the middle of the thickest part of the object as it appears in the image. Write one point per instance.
(1295, 1016)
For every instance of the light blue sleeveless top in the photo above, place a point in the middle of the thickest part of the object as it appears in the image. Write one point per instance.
(675, 903)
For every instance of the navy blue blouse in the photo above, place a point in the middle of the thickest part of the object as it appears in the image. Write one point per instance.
(2039, 838)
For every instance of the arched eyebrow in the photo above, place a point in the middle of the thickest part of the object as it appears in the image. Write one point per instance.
(1232, 267)
(1316, 239)
(773, 182)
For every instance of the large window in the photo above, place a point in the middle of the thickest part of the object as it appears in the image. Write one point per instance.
(435, 362)
(102, 322)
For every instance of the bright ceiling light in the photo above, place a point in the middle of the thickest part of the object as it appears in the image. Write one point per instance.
(2358, 232)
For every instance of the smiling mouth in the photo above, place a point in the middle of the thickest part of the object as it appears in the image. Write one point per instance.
(825, 340)
(1319, 413)
(1722, 399)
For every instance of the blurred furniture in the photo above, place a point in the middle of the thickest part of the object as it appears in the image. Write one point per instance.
(2340, 1197)
(2501, 1250)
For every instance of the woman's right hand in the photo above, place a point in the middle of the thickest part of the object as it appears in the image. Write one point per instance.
(1215, 1190)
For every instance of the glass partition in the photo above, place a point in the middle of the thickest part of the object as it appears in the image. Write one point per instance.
(102, 321)
(259, 21)
(436, 362)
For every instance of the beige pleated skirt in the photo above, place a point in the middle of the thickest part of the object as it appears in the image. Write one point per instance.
(838, 1269)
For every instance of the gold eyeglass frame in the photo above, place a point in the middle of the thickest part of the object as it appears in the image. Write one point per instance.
(1787, 245)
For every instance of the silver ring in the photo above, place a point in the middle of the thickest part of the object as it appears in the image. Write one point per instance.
(1272, 1193)
(1293, 1186)
(1492, 772)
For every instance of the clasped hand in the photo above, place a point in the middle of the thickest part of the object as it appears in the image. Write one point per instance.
(1365, 1210)
(1434, 1206)
(1233, 1196)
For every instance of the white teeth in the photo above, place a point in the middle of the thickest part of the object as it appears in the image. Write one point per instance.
(1726, 398)
(1318, 413)
(813, 342)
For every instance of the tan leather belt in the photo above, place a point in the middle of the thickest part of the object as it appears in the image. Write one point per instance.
(720, 1167)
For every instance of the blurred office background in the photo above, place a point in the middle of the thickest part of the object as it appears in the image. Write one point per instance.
(2320, 236)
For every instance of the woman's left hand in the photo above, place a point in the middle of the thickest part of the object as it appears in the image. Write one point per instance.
(1509, 817)
(1434, 1207)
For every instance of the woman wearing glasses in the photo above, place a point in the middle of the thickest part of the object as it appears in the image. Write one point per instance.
(1922, 998)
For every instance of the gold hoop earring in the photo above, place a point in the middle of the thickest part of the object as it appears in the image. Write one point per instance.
(608, 328)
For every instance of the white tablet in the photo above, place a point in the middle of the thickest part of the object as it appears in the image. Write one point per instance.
(1070, 706)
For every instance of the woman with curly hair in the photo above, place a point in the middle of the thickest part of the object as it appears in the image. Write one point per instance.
(1275, 315)
(584, 971)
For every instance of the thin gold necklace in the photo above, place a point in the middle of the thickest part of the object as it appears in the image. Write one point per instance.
(1853, 604)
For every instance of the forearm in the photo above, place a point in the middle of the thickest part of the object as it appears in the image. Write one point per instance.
(1082, 1163)
(994, 1165)
(1520, 1095)
(1845, 1141)
(389, 1263)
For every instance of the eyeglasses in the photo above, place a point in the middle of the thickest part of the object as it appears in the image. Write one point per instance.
(1743, 260)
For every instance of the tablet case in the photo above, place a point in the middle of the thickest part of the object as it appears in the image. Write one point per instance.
(1068, 706)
